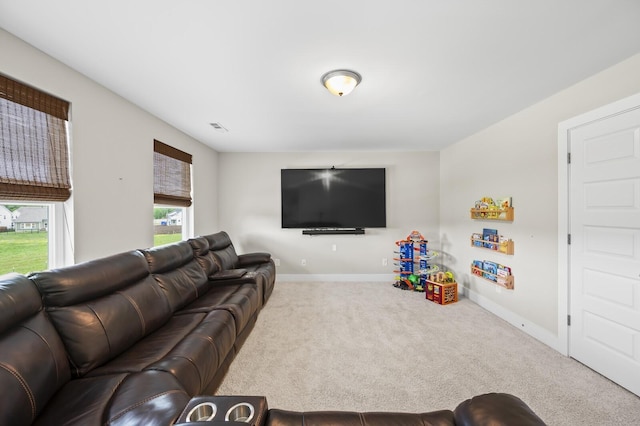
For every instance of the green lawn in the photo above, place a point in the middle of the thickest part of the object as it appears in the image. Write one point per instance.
(23, 252)
(28, 252)
(160, 239)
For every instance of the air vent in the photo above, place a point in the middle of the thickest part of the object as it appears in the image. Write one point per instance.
(219, 127)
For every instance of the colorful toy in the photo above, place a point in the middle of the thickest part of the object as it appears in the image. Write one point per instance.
(407, 279)
(442, 288)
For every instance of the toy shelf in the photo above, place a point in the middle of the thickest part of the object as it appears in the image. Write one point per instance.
(506, 247)
(505, 214)
(506, 282)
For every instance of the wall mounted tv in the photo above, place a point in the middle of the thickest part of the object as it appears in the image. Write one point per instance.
(333, 198)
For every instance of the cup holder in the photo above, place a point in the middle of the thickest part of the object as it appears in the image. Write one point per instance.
(242, 412)
(202, 412)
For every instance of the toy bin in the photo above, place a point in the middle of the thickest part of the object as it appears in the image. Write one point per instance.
(444, 293)
(429, 289)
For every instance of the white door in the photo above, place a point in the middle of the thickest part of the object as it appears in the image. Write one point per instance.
(604, 287)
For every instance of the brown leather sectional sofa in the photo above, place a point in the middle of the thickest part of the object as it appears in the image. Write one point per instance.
(129, 338)
(139, 337)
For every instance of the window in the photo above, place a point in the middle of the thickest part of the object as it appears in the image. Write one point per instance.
(171, 193)
(24, 237)
(33, 143)
(34, 176)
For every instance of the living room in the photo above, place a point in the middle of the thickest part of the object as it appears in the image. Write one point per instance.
(239, 192)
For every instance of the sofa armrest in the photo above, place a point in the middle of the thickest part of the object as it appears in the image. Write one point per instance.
(253, 258)
(227, 274)
(496, 409)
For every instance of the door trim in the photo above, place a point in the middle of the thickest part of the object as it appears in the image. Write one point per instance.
(615, 108)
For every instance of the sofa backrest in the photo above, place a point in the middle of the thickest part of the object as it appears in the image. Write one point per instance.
(177, 272)
(203, 255)
(221, 247)
(102, 307)
(33, 362)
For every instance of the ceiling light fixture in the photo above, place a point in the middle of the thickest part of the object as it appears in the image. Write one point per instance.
(341, 82)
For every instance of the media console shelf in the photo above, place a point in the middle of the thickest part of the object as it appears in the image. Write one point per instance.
(340, 231)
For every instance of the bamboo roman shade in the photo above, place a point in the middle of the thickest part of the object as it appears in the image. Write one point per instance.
(171, 175)
(34, 153)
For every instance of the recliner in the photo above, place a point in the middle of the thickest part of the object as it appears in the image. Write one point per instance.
(37, 382)
(219, 250)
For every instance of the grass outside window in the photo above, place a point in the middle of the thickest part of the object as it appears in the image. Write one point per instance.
(23, 252)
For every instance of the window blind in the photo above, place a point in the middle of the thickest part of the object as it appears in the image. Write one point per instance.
(34, 153)
(171, 175)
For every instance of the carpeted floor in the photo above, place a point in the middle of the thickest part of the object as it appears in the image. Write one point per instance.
(372, 347)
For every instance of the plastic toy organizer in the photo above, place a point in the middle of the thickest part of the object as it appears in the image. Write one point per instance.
(412, 262)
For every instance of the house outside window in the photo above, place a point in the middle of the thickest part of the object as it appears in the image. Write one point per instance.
(167, 224)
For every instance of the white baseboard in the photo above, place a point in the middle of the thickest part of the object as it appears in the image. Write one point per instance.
(534, 330)
(337, 277)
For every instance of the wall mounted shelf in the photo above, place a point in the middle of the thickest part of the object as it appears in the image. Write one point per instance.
(503, 281)
(504, 214)
(505, 247)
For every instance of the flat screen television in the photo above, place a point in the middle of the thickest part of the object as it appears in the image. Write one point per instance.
(333, 198)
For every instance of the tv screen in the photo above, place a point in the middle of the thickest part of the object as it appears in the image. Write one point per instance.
(333, 198)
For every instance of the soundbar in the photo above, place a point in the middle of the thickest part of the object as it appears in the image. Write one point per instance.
(337, 231)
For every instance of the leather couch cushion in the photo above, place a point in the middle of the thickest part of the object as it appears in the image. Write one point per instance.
(267, 273)
(243, 305)
(151, 398)
(33, 363)
(219, 240)
(226, 258)
(19, 300)
(177, 272)
(222, 248)
(200, 246)
(101, 308)
(90, 280)
(345, 418)
(190, 347)
(241, 301)
(168, 257)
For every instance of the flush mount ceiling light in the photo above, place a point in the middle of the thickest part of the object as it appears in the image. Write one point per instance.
(341, 82)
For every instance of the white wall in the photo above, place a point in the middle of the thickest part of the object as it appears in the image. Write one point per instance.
(112, 157)
(249, 195)
(518, 157)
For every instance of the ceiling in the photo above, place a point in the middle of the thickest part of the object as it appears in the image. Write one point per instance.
(433, 72)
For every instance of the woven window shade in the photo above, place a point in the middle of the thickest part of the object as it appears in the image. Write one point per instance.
(171, 175)
(34, 154)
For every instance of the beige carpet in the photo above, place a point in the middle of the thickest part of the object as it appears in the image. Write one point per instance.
(372, 347)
